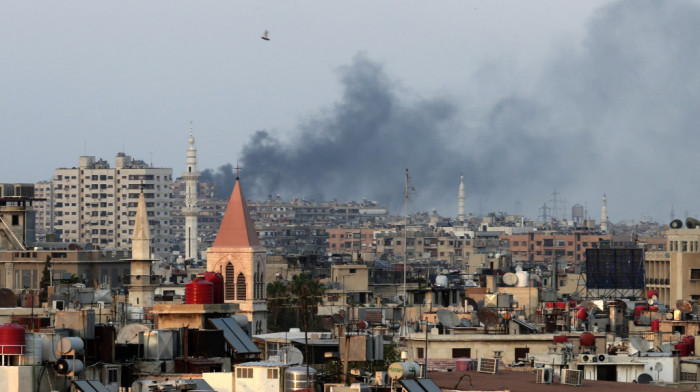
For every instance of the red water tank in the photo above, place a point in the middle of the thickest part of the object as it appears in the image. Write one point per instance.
(638, 310)
(218, 280)
(572, 303)
(653, 308)
(683, 347)
(582, 314)
(561, 305)
(12, 339)
(549, 304)
(655, 325)
(560, 339)
(652, 293)
(586, 339)
(199, 291)
(690, 340)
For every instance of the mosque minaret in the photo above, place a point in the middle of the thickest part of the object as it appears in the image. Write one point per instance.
(604, 215)
(190, 210)
(461, 216)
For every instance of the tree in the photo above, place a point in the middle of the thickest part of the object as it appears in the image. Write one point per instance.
(45, 280)
(277, 303)
(303, 287)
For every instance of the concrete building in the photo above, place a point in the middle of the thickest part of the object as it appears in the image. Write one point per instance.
(96, 203)
(239, 257)
(541, 246)
(675, 273)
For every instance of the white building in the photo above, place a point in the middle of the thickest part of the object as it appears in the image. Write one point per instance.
(96, 203)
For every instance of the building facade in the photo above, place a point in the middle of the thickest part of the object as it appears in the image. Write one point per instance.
(96, 203)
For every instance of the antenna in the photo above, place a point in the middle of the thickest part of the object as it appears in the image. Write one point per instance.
(408, 190)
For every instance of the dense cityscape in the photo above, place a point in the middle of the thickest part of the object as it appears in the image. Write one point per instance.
(349, 196)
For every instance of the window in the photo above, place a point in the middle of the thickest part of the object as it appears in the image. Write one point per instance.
(273, 373)
(241, 287)
(229, 287)
(112, 376)
(244, 373)
(521, 354)
(419, 352)
(461, 353)
(695, 274)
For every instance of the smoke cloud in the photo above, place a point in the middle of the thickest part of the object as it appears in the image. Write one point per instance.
(616, 114)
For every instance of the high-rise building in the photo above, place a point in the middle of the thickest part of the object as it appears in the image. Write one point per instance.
(96, 203)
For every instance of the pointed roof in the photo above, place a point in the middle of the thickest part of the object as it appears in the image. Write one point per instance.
(237, 228)
(141, 240)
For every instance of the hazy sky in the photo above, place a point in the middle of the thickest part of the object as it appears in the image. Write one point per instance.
(522, 98)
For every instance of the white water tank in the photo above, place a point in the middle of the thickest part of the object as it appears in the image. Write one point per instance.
(403, 370)
(441, 281)
(523, 279)
(34, 350)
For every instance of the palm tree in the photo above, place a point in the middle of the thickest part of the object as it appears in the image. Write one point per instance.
(277, 301)
(306, 293)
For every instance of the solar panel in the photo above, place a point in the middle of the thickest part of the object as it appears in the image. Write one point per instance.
(419, 385)
(235, 336)
(90, 386)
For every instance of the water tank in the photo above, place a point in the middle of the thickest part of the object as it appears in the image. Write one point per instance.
(295, 379)
(655, 324)
(218, 280)
(67, 365)
(523, 279)
(441, 281)
(587, 339)
(199, 291)
(34, 350)
(68, 344)
(12, 339)
(399, 370)
(462, 364)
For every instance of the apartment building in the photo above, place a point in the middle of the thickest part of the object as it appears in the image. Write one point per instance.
(675, 273)
(539, 247)
(96, 203)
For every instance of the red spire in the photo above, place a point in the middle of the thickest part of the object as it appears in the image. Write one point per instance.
(237, 228)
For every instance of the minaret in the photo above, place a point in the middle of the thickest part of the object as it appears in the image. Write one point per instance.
(460, 211)
(604, 215)
(140, 287)
(190, 210)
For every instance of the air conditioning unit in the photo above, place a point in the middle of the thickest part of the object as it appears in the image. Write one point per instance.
(487, 365)
(57, 305)
(602, 357)
(572, 377)
(545, 375)
(586, 357)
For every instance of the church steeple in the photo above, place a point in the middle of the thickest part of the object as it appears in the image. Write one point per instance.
(237, 228)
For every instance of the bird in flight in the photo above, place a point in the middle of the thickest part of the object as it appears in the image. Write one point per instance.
(264, 36)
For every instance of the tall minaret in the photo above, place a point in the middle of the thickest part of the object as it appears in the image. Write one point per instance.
(140, 287)
(190, 210)
(604, 215)
(460, 211)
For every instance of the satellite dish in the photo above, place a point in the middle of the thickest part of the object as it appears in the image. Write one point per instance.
(518, 269)
(338, 319)
(291, 355)
(669, 316)
(510, 279)
(130, 333)
(645, 378)
(666, 347)
(684, 306)
(639, 344)
(488, 318)
(650, 301)
(659, 366)
(447, 318)
(465, 322)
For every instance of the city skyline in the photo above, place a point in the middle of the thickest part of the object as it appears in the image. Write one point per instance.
(521, 99)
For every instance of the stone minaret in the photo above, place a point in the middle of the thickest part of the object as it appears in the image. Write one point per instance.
(140, 287)
(604, 215)
(190, 210)
(460, 211)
